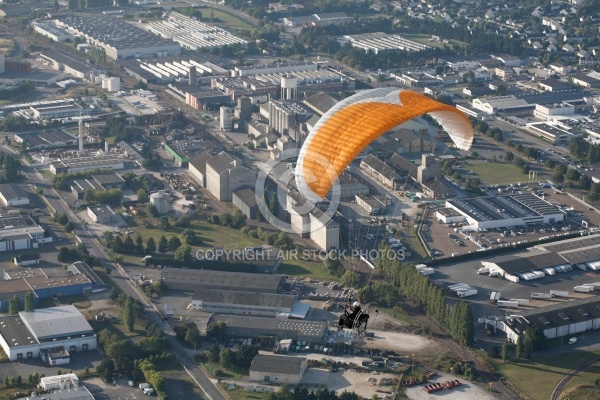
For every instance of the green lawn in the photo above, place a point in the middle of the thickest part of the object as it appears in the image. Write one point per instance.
(584, 378)
(241, 394)
(527, 375)
(221, 17)
(305, 268)
(494, 173)
(78, 300)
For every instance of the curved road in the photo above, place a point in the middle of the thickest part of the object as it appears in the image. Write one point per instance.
(240, 14)
(560, 386)
(210, 391)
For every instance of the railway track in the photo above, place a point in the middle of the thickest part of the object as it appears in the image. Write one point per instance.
(560, 386)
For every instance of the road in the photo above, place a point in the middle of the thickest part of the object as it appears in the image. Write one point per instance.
(122, 281)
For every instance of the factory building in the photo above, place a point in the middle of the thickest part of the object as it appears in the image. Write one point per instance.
(557, 320)
(255, 327)
(46, 139)
(52, 32)
(277, 369)
(273, 68)
(244, 303)
(102, 215)
(382, 172)
(118, 38)
(183, 150)
(13, 195)
(51, 112)
(29, 334)
(193, 279)
(245, 200)
(550, 132)
(86, 164)
(224, 174)
(374, 204)
(546, 112)
(191, 33)
(20, 233)
(70, 65)
(322, 19)
(521, 264)
(314, 224)
(199, 98)
(284, 114)
(380, 42)
(26, 259)
(508, 210)
(197, 167)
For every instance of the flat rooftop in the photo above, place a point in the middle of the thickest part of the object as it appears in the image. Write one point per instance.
(307, 328)
(245, 298)
(56, 322)
(99, 161)
(504, 207)
(278, 364)
(15, 333)
(268, 282)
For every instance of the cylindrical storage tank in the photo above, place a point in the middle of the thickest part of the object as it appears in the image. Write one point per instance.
(113, 84)
(161, 201)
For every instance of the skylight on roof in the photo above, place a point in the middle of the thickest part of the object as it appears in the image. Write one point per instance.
(544, 320)
(563, 316)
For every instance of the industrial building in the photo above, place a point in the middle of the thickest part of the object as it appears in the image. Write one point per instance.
(80, 393)
(13, 195)
(260, 69)
(71, 282)
(245, 200)
(191, 33)
(557, 320)
(26, 259)
(382, 172)
(65, 381)
(245, 303)
(86, 163)
(193, 279)
(102, 215)
(314, 224)
(255, 327)
(30, 333)
(64, 111)
(70, 65)
(322, 19)
(52, 32)
(15, 72)
(224, 174)
(308, 82)
(284, 114)
(97, 182)
(199, 98)
(20, 233)
(197, 167)
(46, 139)
(183, 150)
(521, 264)
(508, 210)
(277, 369)
(171, 69)
(118, 38)
(110, 180)
(380, 42)
(374, 204)
(550, 132)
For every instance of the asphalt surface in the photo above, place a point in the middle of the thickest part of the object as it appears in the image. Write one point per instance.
(121, 280)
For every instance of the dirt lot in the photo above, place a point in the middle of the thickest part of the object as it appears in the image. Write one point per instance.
(467, 391)
(350, 381)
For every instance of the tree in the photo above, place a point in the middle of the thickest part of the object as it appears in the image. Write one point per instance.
(558, 177)
(163, 223)
(128, 245)
(192, 337)
(509, 156)
(128, 315)
(214, 353)
(150, 246)
(117, 244)
(504, 350)
(10, 168)
(69, 227)
(174, 243)
(139, 244)
(142, 195)
(29, 301)
(13, 305)
(573, 175)
(106, 369)
(226, 358)
(138, 84)
(163, 245)
(332, 264)
(184, 254)
(350, 279)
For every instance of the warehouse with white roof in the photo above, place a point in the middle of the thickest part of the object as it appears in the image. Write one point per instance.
(33, 333)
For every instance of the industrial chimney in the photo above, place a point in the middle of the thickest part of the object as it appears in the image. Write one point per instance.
(192, 78)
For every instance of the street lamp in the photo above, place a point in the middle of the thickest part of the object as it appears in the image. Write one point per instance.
(452, 371)
(412, 364)
(491, 384)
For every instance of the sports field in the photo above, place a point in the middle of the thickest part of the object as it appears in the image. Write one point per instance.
(224, 18)
(494, 173)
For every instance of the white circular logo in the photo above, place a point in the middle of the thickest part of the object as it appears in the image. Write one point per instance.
(301, 209)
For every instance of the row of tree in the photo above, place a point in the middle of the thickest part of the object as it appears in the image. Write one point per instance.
(61, 181)
(103, 196)
(14, 304)
(582, 150)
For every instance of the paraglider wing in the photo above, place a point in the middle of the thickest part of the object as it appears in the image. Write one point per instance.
(348, 128)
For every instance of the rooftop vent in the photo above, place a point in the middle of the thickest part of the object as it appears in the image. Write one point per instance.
(544, 320)
(563, 316)
(582, 311)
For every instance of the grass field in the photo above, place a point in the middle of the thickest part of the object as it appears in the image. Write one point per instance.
(221, 17)
(527, 374)
(241, 394)
(584, 378)
(581, 392)
(494, 173)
